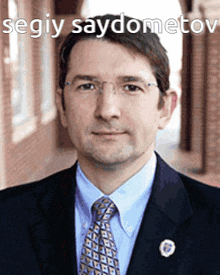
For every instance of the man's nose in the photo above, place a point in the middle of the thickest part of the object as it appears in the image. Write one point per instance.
(108, 102)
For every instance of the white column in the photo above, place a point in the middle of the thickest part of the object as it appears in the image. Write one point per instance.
(2, 147)
(211, 9)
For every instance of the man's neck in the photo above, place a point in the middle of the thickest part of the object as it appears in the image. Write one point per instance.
(111, 177)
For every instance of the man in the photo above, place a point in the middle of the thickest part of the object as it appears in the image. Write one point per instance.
(120, 209)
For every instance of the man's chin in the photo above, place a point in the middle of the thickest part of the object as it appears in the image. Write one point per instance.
(109, 161)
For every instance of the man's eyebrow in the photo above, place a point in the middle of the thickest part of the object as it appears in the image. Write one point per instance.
(84, 77)
(123, 78)
(131, 79)
(137, 79)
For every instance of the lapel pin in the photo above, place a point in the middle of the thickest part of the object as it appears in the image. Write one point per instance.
(167, 248)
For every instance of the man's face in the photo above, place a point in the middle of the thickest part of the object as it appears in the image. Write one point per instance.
(117, 124)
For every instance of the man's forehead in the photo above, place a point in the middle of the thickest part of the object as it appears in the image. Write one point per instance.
(102, 52)
(88, 41)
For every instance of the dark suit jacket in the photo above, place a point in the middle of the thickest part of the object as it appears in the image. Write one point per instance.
(37, 234)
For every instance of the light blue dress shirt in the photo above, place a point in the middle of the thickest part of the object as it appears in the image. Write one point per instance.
(131, 199)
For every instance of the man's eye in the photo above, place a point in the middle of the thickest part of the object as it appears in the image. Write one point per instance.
(87, 86)
(132, 88)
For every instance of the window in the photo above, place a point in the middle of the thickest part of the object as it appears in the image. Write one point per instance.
(23, 120)
(16, 52)
(48, 108)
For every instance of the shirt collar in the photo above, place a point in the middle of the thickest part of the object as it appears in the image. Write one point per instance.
(87, 192)
(130, 198)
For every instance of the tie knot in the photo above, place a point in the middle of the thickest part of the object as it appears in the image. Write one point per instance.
(104, 209)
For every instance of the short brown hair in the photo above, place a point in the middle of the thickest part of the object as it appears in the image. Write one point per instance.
(148, 44)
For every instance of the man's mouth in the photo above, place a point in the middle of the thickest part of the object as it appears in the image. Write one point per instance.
(108, 133)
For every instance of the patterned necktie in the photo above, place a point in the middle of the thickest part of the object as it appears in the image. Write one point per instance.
(99, 253)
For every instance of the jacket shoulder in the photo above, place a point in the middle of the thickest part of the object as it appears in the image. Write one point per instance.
(200, 194)
(27, 192)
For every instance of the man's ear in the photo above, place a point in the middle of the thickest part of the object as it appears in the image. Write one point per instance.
(169, 105)
(59, 105)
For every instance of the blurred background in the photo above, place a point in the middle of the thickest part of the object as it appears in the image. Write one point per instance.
(33, 143)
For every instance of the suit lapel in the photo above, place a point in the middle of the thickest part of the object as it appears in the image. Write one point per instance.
(52, 227)
(168, 207)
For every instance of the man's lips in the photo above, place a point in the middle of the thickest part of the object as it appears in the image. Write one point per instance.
(108, 133)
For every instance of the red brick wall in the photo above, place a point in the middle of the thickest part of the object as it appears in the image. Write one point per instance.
(200, 126)
(185, 142)
(212, 101)
(197, 97)
(27, 159)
